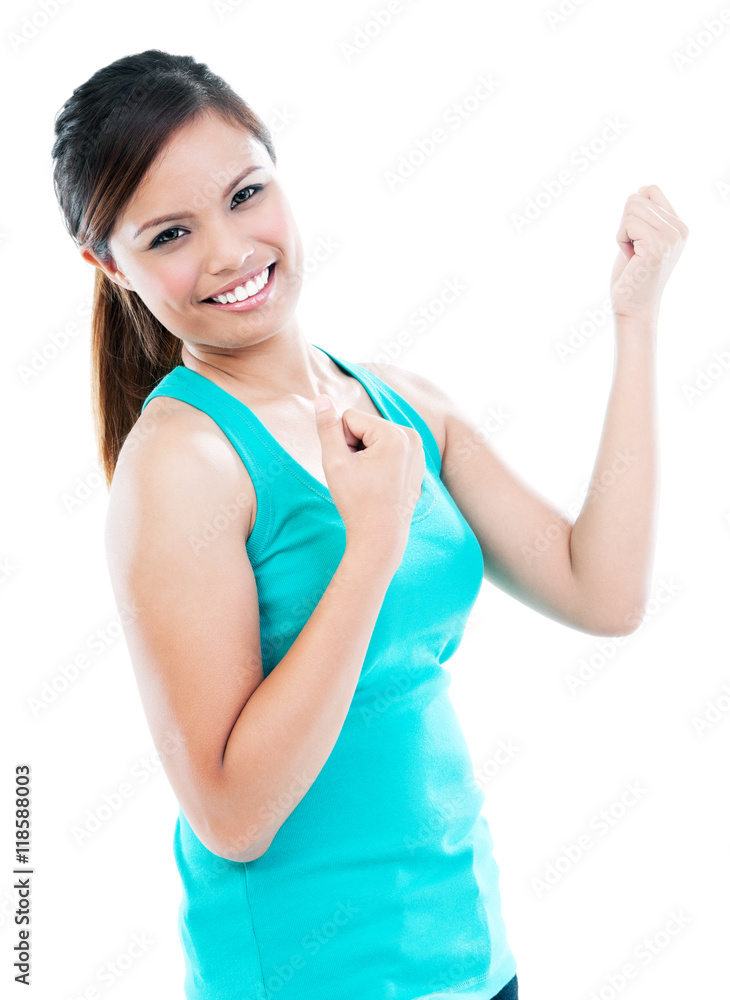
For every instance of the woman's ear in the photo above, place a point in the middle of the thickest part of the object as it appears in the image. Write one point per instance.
(109, 267)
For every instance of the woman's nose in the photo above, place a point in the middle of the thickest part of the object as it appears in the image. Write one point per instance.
(226, 249)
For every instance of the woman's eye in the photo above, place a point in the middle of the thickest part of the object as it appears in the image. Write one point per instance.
(251, 187)
(159, 241)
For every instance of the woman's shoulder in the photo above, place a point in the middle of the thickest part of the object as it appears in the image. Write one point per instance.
(426, 398)
(170, 431)
(173, 451)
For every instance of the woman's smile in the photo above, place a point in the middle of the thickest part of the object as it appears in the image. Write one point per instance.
(249, 295)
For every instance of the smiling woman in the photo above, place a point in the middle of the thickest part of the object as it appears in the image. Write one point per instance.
(294, 606)
(301, 540)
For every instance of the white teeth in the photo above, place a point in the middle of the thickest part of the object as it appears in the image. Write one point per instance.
(241, 292)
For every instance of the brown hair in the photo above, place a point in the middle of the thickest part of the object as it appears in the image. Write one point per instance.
(108, 133)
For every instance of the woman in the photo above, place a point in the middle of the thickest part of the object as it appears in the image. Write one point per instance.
(302, 540)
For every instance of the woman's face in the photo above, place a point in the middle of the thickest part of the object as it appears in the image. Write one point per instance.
(232, 226)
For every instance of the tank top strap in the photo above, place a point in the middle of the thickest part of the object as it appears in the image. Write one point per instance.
(243, 431)
(398, 409)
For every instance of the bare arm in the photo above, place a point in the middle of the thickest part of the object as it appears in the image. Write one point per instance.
(290, 724)
(591, 575)
(612, 540)
(242, 744)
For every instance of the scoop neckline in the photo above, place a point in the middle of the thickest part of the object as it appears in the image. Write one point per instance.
(285, 458)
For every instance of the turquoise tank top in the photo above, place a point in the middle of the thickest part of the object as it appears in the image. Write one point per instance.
(381, 883)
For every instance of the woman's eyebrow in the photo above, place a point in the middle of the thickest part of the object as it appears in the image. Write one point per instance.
(188, 215)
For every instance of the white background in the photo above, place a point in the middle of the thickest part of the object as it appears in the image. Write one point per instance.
(351, 118)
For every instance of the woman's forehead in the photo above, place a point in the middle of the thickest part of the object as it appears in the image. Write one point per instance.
(198, 166)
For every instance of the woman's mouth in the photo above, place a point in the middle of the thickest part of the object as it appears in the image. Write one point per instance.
(244, 296)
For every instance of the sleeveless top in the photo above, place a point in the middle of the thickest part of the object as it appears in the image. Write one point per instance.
(381, 883)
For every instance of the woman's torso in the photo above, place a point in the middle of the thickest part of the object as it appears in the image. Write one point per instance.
(381, 882)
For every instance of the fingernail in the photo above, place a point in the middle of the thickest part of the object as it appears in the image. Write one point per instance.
(321, 403)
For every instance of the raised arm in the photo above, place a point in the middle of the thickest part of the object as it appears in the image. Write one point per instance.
(591, 574)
